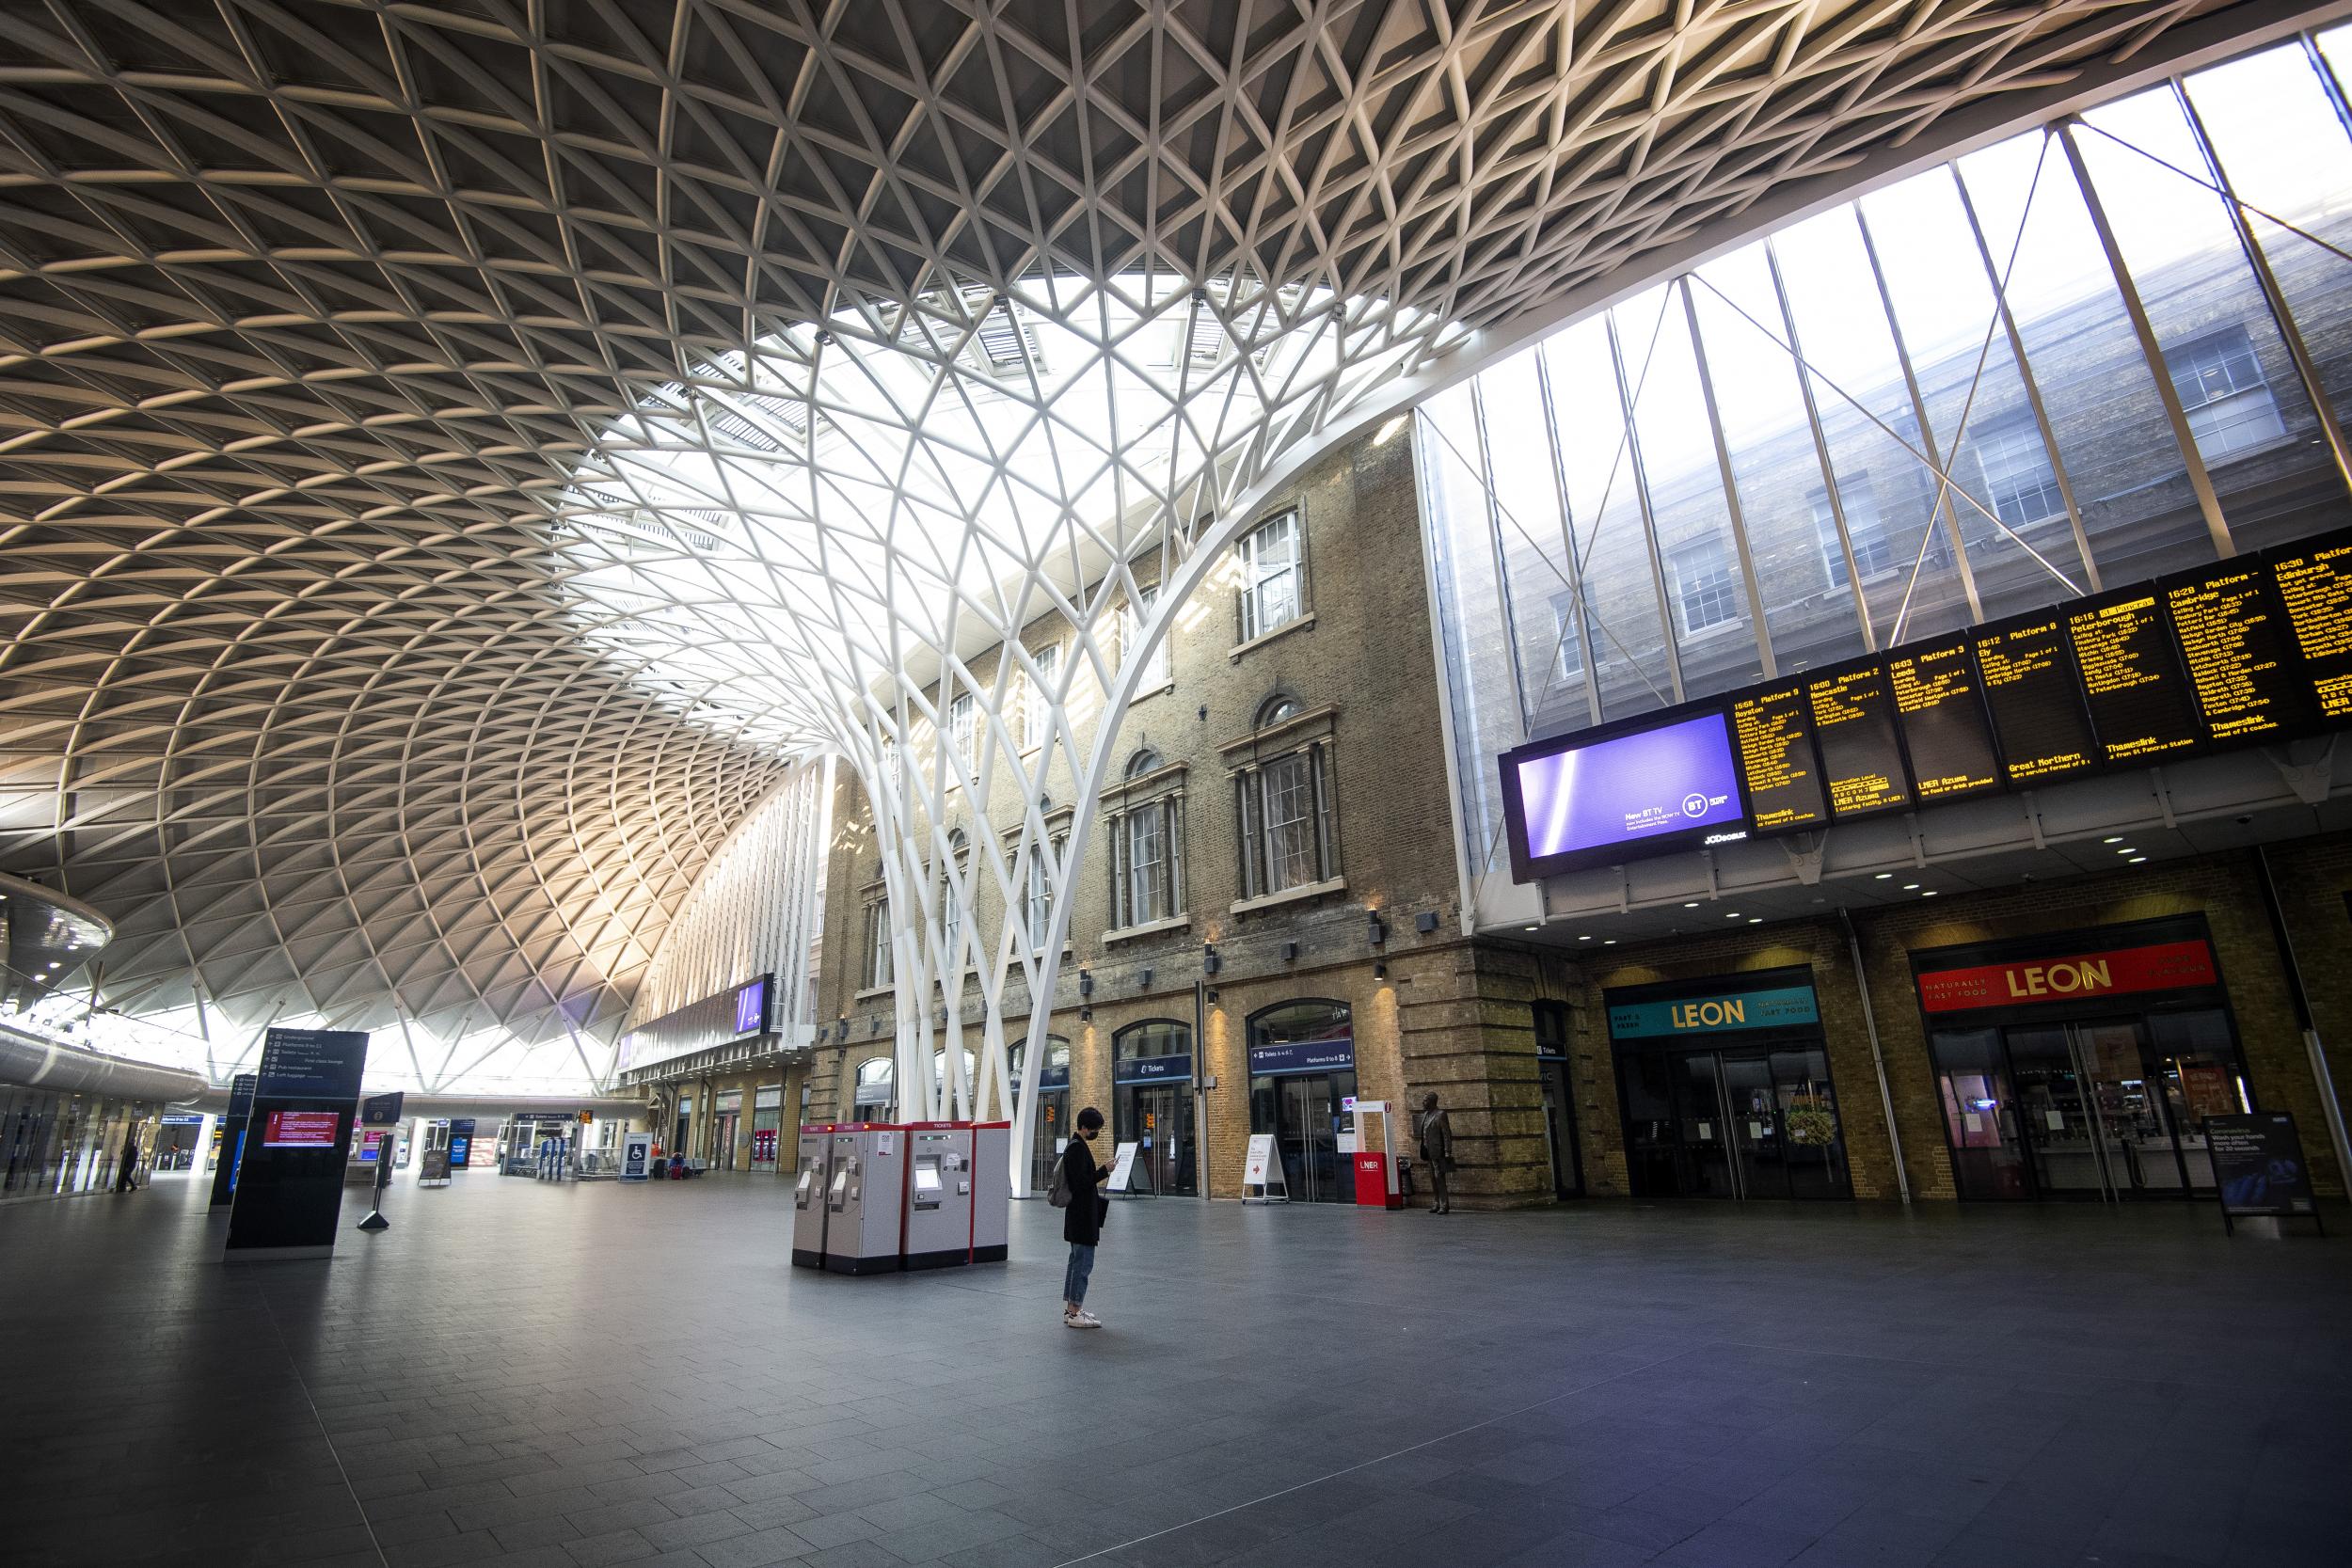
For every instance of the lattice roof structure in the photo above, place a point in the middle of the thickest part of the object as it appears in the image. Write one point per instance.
(454, 453)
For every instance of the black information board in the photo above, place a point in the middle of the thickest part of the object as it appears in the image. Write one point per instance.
(2253, 650)
(1942, 717)
(2314, 581)
(231, 1139)
(290, 1184)
(2258, 1166)
(2239, 651)
(1772, 732)
(1853, 727)
(382, 1110)
(2131, 679)
(2028, 675)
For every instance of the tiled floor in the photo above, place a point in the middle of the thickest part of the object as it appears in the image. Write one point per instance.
(535, 1374)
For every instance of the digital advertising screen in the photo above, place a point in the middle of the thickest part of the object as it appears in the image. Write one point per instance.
(1941, 714)
(2037, 705)
(301, 1129)
(1774, 733)
(1596, 798)
(2132, 677)
(1853, 726)
(2314, 581)
(2238, 647)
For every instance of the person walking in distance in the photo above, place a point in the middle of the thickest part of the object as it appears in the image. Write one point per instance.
(127, 1177)
(1081, 1178)
(1437, 1152)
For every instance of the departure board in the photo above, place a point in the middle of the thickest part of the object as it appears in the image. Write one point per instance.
(2138, 697)
(1853, 726)
(2314, 581)
(1774, 735)
(2036, 704)
(1943, 721)
(2239, 650)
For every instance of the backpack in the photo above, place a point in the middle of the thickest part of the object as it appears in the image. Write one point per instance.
(1058, 1194)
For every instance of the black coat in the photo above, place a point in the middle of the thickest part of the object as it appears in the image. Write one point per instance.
(1081, 1222)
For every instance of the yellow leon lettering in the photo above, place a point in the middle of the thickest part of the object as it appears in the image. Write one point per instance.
(1708, 1015)
(2061, 979)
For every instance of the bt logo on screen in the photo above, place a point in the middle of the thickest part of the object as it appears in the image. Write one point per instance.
(1695, 805)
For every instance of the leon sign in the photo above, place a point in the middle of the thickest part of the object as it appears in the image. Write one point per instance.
(2161, 966)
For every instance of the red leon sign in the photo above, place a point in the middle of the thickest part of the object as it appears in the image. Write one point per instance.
(2163, 966)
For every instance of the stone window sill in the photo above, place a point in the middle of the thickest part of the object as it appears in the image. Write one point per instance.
(1149, 928)
(1289, 895)
(1263, 639)
(870, 993)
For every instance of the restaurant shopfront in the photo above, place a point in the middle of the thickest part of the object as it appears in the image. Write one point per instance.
(2082, 1066)
(1725, 1088)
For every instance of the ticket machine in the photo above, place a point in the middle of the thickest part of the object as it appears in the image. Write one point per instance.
(808, 1196)
(864, 1189)
(939, 1215)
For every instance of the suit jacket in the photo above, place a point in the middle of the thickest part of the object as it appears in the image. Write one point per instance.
(1437, 1139)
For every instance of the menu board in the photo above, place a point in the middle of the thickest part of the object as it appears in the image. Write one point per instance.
(2036, 703)
(2139, 698)
(1774, 735)
(2315, 585)
(1943, 721)
(1853, 724)
(2238, 649)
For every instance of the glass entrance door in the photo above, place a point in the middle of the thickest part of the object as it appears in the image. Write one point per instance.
(1047, 1136)
(1157, 1118)
(2103, 1109)
(1735, 1123)
(1306, 1116)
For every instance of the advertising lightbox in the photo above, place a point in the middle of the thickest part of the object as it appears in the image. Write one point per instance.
(1602, 797)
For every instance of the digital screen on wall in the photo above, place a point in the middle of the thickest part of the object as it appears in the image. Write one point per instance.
(2131, 679)
(2036, 703)
(2239, 651)
(2315, 580)
(1942, 715)
(1598, 798)
(301, 1129)
(1774, 733)
(1853, 726)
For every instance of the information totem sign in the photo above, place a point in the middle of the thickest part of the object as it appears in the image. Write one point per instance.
(636, 1156)
(290, 1186)
(2259, 1168)
(231, 1139)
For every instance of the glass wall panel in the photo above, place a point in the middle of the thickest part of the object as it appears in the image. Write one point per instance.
(2004, 494)
(1546, 623)
(1627, 639)
(1784, 501)
(2282, 148)
(1477, 655)
(1707, 593)
(2252, 424)
(2126, 469)
(1909, 572)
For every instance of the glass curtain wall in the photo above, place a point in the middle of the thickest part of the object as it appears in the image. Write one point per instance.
(2108, 348)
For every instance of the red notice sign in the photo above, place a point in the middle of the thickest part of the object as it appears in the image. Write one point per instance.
(2162, 966)
(301, 1130)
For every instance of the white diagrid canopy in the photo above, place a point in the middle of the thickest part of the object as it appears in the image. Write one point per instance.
(455, 452)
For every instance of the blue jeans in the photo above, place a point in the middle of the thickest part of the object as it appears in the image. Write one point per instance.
(1073, 1279)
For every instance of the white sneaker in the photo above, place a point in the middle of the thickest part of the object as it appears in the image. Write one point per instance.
(1080, 1320)
(1088, 1319)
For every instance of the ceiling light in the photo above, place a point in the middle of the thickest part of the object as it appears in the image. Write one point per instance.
(2127, 850)
(1586, 937)
(1534, 928)
(1910, 887)
(1691, 904)
(1733, 915)
(2118, 839)
(2138, 860)
(1755, 920)
(1883, 876)
(1609, 943)
(1929, 893)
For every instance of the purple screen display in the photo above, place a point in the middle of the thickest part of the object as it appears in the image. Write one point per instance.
(749, 1003)
(1631, 788)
